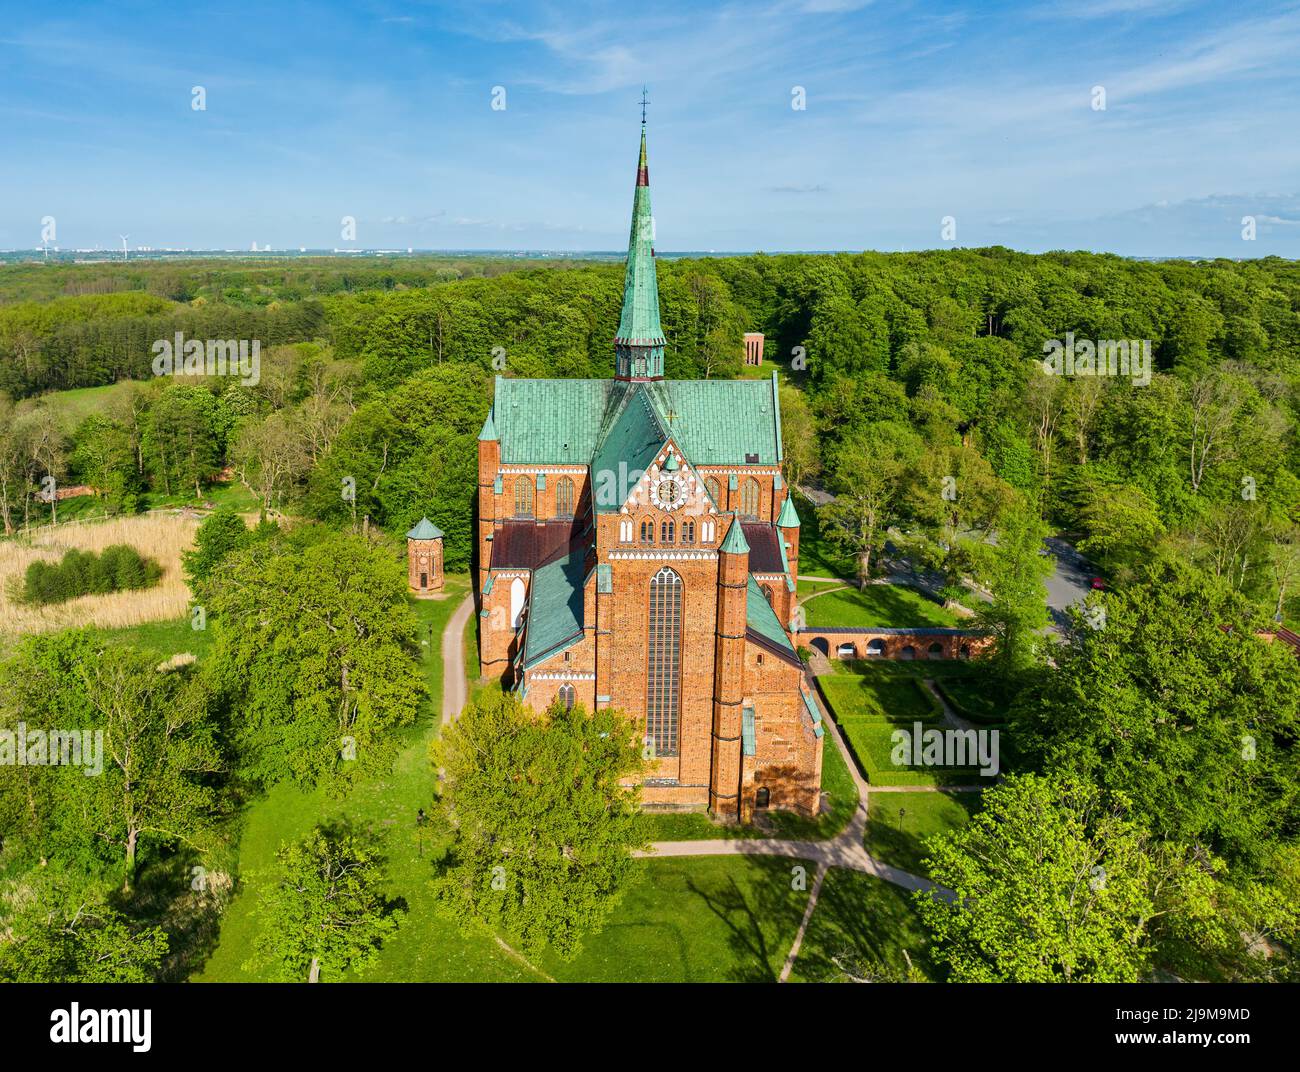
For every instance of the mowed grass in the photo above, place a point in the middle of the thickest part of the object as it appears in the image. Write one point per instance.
(878, 605)
(161, 536)
(861, 919)
(165, 639)
(877, 692)
(702, 919)
(869, 701)
(900, 840)
(973, 698)
(428, 946)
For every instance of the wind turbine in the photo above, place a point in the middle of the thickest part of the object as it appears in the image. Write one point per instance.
(124, 238)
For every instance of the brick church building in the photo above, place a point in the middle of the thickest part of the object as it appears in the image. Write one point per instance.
(638, 549)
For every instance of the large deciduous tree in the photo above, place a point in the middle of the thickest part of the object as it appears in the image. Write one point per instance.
(1053, 881)
(323, 912)
(542, 816)
(315, 650)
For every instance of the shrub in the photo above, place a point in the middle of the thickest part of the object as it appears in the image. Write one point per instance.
(117, 568)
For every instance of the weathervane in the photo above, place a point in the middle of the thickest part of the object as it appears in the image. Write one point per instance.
(644, 102)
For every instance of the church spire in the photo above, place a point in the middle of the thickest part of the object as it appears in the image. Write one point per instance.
(639, 345)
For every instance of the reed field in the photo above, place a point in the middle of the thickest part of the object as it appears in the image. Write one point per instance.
(161, 536)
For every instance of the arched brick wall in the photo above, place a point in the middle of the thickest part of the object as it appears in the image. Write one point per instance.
(891, 643)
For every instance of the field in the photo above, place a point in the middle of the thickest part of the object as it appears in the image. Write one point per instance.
(161, 536)
(882, 605)
(900, 840)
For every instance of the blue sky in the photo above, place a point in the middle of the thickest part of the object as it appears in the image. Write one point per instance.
(915, 111)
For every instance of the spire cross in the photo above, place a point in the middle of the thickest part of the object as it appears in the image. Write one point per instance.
(644, 102)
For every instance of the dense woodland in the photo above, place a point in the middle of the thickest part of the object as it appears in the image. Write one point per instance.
(913, 391)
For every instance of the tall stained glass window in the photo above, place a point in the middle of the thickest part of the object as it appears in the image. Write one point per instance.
(664, 662)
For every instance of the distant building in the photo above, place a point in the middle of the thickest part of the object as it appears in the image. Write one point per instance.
(753, 348)
(638, 549)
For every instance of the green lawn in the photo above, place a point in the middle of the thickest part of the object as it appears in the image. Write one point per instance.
(165, 638)
(901, 840)
(860, 918)
(707, 919)
(973, 698)
(887, 605)
(878, 692)
(869, 701)
(842, 802)
(74, 406)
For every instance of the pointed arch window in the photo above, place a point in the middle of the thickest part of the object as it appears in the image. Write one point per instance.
(667, 531)
(714, 489)
(768, 594)
(523, 496)
(664, 663)
(749, 497)
(688, 532)
(566, 696)
(564, 498)
(647, 531)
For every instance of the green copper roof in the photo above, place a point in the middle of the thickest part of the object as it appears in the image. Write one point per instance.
(715, 422)
(545, 422)
(554, 608)
(760, 618)
(788, 518)
(425, 530)
(489, 432)
(735, 543)
(639, 322)
(811, 705)
(720, 422)
(633, 440)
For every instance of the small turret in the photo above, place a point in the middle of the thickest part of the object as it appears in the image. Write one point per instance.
(424, 559)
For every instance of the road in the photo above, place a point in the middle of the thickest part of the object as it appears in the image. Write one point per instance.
(1069, 582)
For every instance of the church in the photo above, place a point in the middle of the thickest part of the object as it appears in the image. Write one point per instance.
(638, 549)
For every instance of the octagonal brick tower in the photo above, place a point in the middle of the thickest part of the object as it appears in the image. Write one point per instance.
(424, 559)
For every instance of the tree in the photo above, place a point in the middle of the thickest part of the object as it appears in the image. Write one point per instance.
(159, 755)
(1165, 694)
(222, 532)
(63, 931)
(798, 436)
(543, 820)
(181, 439)
(870, 470)
(324, 912)
(1123, 524)
(1015, 571)
(315, 647)
(1053, 881)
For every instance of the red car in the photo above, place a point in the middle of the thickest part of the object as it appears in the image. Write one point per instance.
(1097, 583)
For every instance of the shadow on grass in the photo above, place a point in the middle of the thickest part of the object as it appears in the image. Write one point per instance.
(746, 938)
(861, 920)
